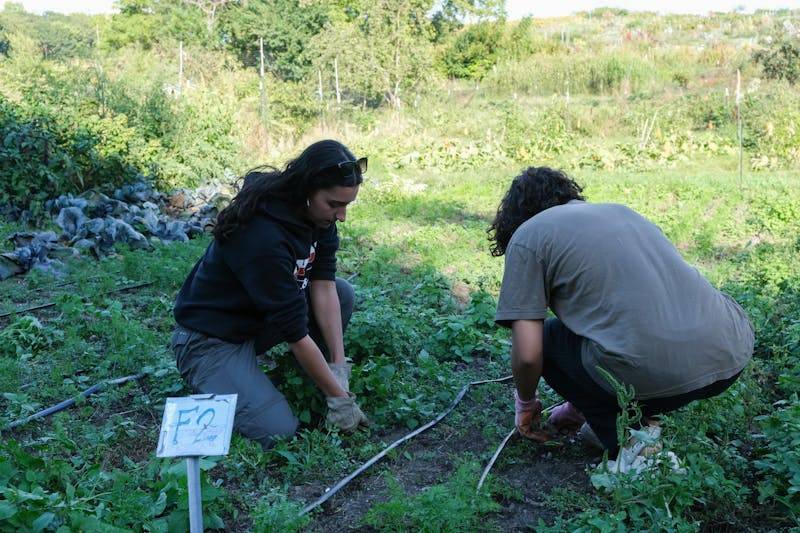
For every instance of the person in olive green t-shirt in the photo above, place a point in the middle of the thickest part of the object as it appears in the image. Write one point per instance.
(624, 300)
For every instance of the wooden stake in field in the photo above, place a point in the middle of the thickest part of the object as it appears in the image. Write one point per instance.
(336, 77)
(261, 85)
(739, 124)
(180, 66)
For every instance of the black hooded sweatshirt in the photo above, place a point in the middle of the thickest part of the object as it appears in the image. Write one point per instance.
(253, 285)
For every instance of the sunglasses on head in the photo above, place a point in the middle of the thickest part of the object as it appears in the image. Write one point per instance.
(351, 169)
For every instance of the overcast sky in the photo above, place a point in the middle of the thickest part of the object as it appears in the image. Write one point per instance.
(516, 8)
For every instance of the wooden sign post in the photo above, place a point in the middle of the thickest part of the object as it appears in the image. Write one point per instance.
(194, 426)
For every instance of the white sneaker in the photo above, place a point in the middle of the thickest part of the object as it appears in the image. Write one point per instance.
(643, 440)
(643, 452)
(642, 463)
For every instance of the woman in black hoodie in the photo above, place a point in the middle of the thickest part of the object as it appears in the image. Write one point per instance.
(269, 277)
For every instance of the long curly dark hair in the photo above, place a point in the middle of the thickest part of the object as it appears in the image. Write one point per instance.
(533, 191)
(314, 169)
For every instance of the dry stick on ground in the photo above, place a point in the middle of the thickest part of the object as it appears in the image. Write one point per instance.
(397, 443)
(51, 304)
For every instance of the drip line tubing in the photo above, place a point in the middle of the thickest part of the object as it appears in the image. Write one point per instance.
(51, 304)
(71, 401)
(336, 488)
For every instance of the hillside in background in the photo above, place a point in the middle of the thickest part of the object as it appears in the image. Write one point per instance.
(174, 93)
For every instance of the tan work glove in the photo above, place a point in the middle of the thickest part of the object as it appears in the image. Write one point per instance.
(341, 371)
(344, 413)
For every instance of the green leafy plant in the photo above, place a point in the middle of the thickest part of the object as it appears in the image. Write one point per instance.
(274, 513)
(473, 51)
(780, 464)
(780, 59)
(450, 506)
(37, 494)
(27, 337)
(309, 452)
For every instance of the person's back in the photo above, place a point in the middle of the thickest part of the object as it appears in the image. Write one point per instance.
(626, 302)
(649, 318)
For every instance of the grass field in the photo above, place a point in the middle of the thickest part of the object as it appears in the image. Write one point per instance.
(426, 283)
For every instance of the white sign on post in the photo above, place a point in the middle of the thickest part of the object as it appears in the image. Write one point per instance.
(200, 424)
(196, 425)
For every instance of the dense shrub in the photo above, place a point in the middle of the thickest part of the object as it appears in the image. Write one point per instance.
(780, 60)
(41, 156)
(56, 36)
(771, 128)
(472, 52)
(286, 29)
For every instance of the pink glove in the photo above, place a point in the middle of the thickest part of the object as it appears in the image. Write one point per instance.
(566, 416)
(526, 411)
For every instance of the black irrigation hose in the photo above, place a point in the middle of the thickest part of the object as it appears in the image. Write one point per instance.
(65, 284)
(51, 304)
(397, 443)
(68, 403)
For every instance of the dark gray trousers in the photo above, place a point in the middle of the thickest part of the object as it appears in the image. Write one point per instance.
(213, 366)
(565, 374)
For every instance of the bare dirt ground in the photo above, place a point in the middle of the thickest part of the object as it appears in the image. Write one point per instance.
(531, 471)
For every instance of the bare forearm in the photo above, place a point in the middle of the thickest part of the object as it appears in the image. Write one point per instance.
(526, 356)
(310, 358)
(328, 314)
(526, 376)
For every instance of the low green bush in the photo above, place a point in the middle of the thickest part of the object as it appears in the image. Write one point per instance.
(780, 58)
(780, 462)
(451, 506)
(472, 52)
(42, 156)
(39, 495)
(274, 513)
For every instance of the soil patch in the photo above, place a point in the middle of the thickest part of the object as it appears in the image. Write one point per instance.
(531, 470)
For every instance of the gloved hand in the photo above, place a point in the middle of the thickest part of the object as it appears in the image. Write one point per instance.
(344, 413)
(527, 413)
(341, 371)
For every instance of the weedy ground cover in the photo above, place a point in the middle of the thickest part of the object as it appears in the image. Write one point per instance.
(423, 327)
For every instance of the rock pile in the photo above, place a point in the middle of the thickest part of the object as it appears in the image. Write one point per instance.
(136, 215)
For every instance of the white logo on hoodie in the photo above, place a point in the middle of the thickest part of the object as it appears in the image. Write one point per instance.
(304, 267)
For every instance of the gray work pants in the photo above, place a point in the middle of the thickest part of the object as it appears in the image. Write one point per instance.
(210, 365)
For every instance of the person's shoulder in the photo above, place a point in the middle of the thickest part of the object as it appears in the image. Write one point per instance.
(260, 234)
(553, 223)
(575, 209)
(530, 233)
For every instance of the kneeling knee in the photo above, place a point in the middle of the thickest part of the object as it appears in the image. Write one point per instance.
(270, 424)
